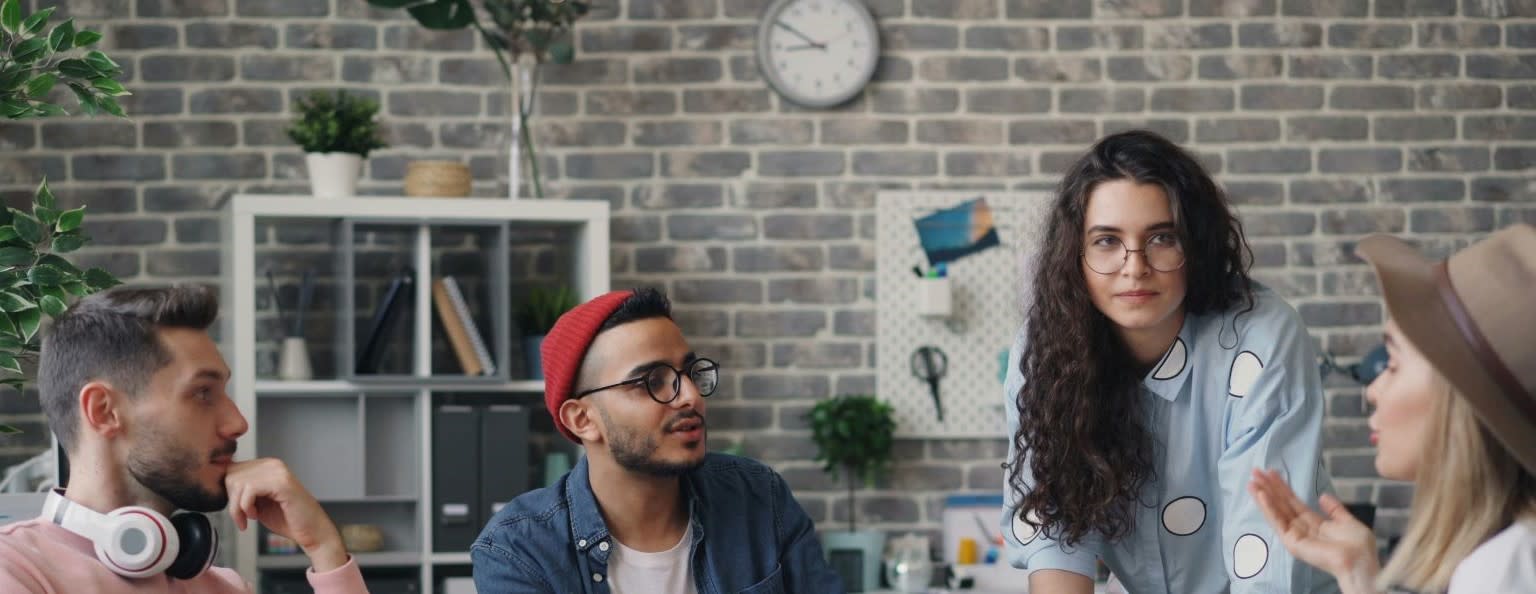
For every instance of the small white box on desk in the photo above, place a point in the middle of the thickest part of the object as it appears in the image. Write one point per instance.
(935, 296)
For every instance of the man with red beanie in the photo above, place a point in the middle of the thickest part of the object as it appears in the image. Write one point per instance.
(648, 510)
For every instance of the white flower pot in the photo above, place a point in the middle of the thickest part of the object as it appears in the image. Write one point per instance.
(333, 175)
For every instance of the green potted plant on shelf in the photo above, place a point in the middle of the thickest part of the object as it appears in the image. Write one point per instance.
(535, 316)
(523, 34)
(854, 434)
(336, 131)
(35, 279)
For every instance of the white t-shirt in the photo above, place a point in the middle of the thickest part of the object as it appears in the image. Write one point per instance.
(633, 572)
(1506, 564)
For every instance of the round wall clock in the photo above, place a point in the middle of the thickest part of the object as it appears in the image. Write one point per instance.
(818, 53)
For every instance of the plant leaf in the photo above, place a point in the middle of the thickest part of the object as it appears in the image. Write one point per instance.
(110, 105)
(45, 215)
(28, 228)
(27, 322)
(443, 14)
(109, 86)
(70, 219)
(11, 302)
(103, 65)
(77, 289)
(87, 38)
(45, 276)
(43, 195)
(10, 15)
(41, 84)
(7, 233)
(63, 36)
(8, 363)
(64, 244)
(30, 51)
(53, 306)
(76, 68)
(100, 279)
(37, 21)
(8, 339)
(393, 3)
(16, 256)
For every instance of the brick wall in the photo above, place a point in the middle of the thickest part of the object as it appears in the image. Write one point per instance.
(1326, 120)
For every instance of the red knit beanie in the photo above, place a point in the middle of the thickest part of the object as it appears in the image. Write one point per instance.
(566, 346)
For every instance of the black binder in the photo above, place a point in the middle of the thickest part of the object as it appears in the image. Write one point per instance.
(503, 457)
(455, 482)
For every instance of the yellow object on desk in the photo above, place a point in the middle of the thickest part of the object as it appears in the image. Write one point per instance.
(967, 552)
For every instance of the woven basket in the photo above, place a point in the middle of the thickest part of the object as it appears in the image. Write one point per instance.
(437, 179)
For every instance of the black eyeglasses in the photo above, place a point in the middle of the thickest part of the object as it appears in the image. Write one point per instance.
(666, 380)
(1107, 255)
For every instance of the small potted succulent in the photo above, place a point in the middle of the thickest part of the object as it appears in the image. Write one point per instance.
(536, 315)
(854, 434)
(337, 131)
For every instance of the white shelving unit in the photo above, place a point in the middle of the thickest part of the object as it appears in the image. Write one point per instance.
(363, 444)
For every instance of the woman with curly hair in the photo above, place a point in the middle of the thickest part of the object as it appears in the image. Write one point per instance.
(1151, 376)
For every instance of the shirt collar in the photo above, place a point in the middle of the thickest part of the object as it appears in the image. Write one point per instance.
(1169, 375)
(587, 524)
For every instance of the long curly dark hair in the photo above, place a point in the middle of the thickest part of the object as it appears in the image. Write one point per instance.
(1081, 419)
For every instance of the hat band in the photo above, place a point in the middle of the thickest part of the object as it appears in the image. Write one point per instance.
(1516, 394)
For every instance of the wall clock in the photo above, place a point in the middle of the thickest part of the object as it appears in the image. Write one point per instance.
(818, 53)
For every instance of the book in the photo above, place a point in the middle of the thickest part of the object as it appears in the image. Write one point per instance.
(453, 326)
(397, 298)
(476, 341)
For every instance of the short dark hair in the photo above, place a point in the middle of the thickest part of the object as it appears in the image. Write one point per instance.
(113, 336)
(644, 303)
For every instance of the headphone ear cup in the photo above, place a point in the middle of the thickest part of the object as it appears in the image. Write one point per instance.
(199, 544)
(139, 542)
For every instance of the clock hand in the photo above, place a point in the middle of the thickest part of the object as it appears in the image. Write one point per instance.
(797, 33)
(804, 47)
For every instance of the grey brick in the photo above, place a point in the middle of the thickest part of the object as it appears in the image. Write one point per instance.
(1312, 128)
(819, 290)
(1504, 189)
(100, 199)
(781, 323)
(1350, 283)
(785, 258)
(180, 198)
(1258, 193)
(901, 37)
(187, 68)
(895, 163)
(959, 132)
(1359, 160)
(118, 166)
(475, 135)
(283, 68)
(677, 133)
(562, 132)
(120, 264)
(677, 70)
(1270, 160)
(184, 263)
(386, 69)
(1325, 8)
(1237, 130)
(955, 9)
(774, 448)
(1240, 66)
(1372, 36)
(1052, 132)
(1286, 97)
(1102, 100)
(1503, 66)
(1507, 8)
(1460, 96)
(683, 258)
(1330, 315)
(1057, 162)
(1164, 35)
(894, 509)
(1522, 36)
(17, 137)
(1279, 224)
(1286, 34)
(915, 478)
(332, 36)
(1422, 190)
(910, 100)
(1515, 158)
(1522, 97)
(716, 37)
(1231, 8)
(864, 131)
(677, 196)
(1058, 70)
(632, 102)
(990, 165)
(281, 8)
(1409, 8)
(807, 226)
(215, 35)
(717, 291)
(1499, 127)
(433, 103)
(1346, 406)
(609, 166)
(1138, 8)
(587, 71)
(1007, 38)
(1415, 127)
(800, 163)
(673, 9)
(1150, 68)
(1448, 159)
(1033, 9)
(774, 131)
(726, 100)
(754, 418)
(1105, 37)
(1008, 100)
(853, 323)
(624, 39)
(179, 9)
(744, 69)
(140, 37)
(1459, 219)
(410, 36)
(1371, 97)
(705, 323)
(236, 100)
(1330, 66)
(963, 69)
(88, 134)
(190, 133)
(1420, 66)
(126, 232)
(1511, 216)
(1337, 436)
(859, 257)
(1356, 222)
(1459, 35)
(629, 228)
(705, 163)
(473, 72)
(1192, 99)
(892, 69)
(220, 166)
(1329, 191)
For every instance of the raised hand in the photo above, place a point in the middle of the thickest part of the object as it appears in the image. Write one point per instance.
(1335, 542)
(265, 490)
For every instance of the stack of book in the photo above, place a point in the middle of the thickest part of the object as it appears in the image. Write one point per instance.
(462, 332)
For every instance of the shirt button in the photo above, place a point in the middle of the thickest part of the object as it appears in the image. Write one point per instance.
(581, 543)
(597, 577)
(603, 546)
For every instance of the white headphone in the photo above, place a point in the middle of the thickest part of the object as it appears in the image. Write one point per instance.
(138, 542)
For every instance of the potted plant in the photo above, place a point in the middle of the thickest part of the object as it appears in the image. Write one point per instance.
(37, 281)
(337, 131)
(535, 316)
(854, 434)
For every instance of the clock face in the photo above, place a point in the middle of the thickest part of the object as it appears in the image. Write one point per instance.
(818, 53)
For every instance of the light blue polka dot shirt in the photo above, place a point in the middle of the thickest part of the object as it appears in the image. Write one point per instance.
(1224, 399)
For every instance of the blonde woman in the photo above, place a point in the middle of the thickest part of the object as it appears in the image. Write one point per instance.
(1456, 414)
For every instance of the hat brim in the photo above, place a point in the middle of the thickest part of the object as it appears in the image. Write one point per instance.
(1412, 296)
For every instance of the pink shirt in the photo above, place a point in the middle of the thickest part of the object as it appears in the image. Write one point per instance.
(38, 557)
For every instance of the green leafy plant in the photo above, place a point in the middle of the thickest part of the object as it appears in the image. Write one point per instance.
(336, 123)
(35, 280)
(540, 29)
(538, 313)
(854, 434)
(35, 59)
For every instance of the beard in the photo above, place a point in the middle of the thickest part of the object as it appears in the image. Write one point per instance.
(170, 471)
(635, 450)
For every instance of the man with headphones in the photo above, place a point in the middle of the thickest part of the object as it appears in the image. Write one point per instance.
(134, 388)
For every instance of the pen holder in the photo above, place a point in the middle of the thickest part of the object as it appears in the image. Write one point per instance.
(293, 360)
(935, 297)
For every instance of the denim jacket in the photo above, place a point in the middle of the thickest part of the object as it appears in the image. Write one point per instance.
(750, 536)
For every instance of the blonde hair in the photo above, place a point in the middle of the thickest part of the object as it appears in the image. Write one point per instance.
(1467, 489)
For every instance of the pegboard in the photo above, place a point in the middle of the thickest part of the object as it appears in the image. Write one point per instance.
(986, 314)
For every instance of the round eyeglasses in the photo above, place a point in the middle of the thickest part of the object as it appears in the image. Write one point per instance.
(1107, 254)
(664, 382)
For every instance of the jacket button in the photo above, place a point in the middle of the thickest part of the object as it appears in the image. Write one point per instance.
(603, 546)
(597, 577)
(581, 543)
